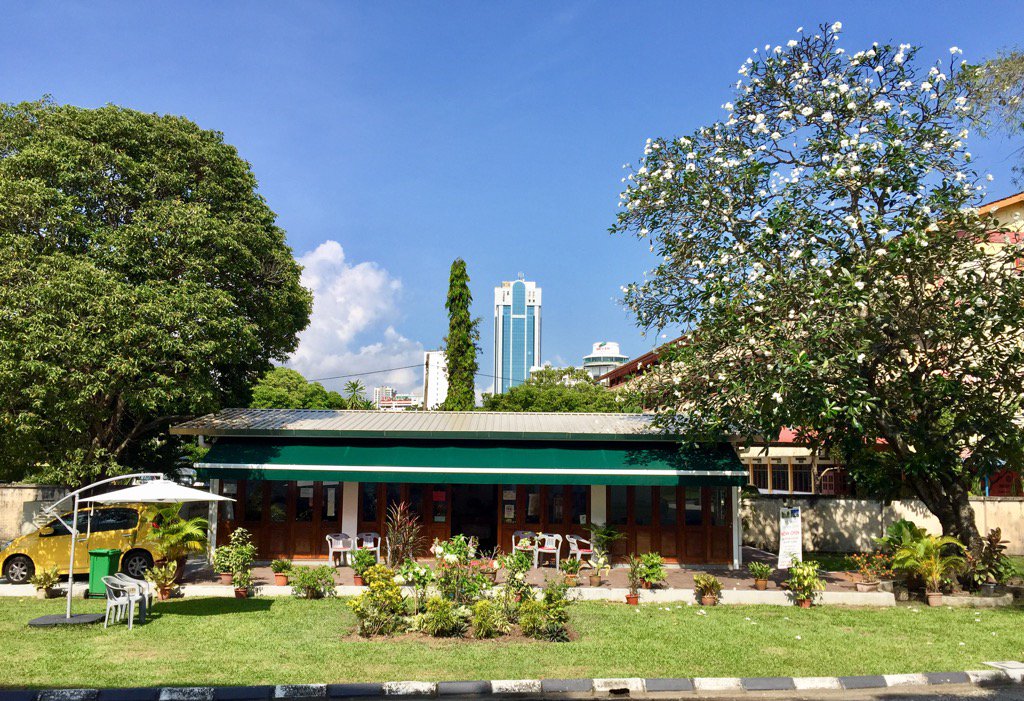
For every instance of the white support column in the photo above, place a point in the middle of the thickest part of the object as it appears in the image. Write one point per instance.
(737, 530)
(350, 508)
(598, 504)
(211, 517)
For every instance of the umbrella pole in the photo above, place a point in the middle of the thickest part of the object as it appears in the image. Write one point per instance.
(71, 559)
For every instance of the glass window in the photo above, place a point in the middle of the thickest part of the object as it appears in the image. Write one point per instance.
(578, 496)
(643, 506)
(304, 501)
(720, 506)
(668, 511)
(439, 499)
(254, 500)
(416, 500)
(618, 508)
(60, 529)
(780, 477)
(694, 506)
(278, 501)
(760, 475)
(367, 501)
(801, 478)
(226, 509)
(114, 520)
(392, 495)
(533, 504)
(556, 505)
(330, 505)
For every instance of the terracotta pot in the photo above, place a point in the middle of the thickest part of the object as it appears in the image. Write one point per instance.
(357, 579)
(163, 593)
(595, 580)
(281, 579)
(571, 579)
(866, 586)
(646, 585)
(708, 600)
(934, 598)
(225, 577)
(241, 593)
(804, 603)
(633, 599)
(760, 584)
(492, 575)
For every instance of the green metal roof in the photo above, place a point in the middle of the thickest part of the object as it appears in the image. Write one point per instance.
(472, 462)
(308, 423)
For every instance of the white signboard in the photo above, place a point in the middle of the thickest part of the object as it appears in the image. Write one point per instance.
(790, 537)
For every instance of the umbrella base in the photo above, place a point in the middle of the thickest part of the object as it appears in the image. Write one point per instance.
(59, 619)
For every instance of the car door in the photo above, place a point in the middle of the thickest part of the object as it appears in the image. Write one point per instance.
(113, 528)
(54, 542)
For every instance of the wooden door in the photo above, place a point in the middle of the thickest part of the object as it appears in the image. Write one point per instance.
(667, 514)
(280, 512)
(719, 511)
(328, 515)
(302, 519)
(694, 533)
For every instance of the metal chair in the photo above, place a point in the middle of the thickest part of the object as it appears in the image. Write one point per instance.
(121, 600)
(370, 540)
(579, 546)
(548, 544)
(342, 545)
(529, 536)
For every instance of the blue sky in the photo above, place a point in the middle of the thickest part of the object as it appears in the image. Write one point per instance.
(409, 133)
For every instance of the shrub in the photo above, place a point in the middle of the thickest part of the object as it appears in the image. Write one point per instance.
(531, 618)
(489, 619)
(162, 576)
(707, 585)
(460, 578)
(516, 565)
(404, 534)
(222, 559)
(381, 609)
(242, 553)
(281, 566)
(931, 557)
(873, 567)
(898, 534)
(242, 579)
(172, 536)
(571, 565)
(418, 577)
(804, 581)
(760, 570)
(45, 579)
(547, 618)
(313, 582)
(652, 568)
(993, 566)
(635, 574)
(444, 618)
(362, 560)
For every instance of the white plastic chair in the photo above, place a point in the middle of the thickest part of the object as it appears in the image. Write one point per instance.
(524, 535)
(121, 600)
(369, 540)
(579, 546)
(548, 544)
(146, 589)
(340, 544)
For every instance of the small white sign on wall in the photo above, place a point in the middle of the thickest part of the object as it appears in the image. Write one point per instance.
(790, 537)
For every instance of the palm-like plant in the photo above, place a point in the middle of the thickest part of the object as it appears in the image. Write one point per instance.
(175, 537)
(932, 557)
(354, 391)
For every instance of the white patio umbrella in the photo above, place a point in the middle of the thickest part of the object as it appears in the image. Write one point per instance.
(157, 490)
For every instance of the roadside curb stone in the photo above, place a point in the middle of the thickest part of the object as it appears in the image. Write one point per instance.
(563, 686)
(410, 688)
(242, 693)
(187, 693)
(343, 691)
(515, 686)
(463, 688)
(768, 683)
(863, 681)
(668, 684)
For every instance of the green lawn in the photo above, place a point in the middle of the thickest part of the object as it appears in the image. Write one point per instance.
(831, 562)
(269, 641)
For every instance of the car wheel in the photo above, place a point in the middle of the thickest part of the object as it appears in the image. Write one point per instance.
(19, 569)
(136, 563)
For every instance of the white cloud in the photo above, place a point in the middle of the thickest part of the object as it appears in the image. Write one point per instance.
(352, 328)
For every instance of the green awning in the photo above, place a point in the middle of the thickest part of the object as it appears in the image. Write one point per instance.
(473, 462)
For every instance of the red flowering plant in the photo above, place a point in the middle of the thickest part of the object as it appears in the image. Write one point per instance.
(873, 567)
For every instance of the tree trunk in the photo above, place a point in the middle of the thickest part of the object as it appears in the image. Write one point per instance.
(950, 502)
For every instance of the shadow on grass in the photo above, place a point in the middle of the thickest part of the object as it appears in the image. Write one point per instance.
(210, 606)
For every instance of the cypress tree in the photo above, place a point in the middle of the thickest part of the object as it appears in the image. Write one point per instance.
(461, 342)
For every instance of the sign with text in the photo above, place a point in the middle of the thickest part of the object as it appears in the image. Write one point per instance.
(791, 540)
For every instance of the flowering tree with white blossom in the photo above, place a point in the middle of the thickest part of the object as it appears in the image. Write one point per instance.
(822, 251)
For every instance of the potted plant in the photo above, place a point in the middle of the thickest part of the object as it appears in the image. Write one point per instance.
(653, 571)
(174, 537)
(804, 582)
(599, 562)
(872, 568)
(242, 581)
(281, 570)
(761, 571)
(362, 560)
(708, 588)
(488, 564)
(313, 582)
(222, 563)
(45, 582)
(571, 567)
(164, 578)
(933, 558)
(635, 576)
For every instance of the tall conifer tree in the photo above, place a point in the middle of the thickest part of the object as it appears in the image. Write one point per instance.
(461, 341)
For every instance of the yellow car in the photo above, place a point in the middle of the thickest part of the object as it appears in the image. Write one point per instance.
(120, 527)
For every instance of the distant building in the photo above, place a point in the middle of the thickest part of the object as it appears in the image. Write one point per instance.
(435, 379)
(605, 357)
(382, 394)
(400, 402)
(517, 334)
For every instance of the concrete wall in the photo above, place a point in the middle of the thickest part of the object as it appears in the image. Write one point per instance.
(848, 525)
(19, 504)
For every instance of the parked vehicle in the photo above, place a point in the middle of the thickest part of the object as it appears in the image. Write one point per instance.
(120, 527)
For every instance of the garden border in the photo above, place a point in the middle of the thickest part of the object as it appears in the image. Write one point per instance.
(1005, 673)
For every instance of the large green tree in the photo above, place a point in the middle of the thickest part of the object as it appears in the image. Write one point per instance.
(997, 95)
(821, 248)
(560, 389)
(284, 388)
(142, 279)
(460, 344)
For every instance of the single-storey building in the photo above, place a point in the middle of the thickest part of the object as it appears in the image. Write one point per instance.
(299, 475)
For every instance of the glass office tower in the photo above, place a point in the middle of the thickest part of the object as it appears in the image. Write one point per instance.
(516, 332)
